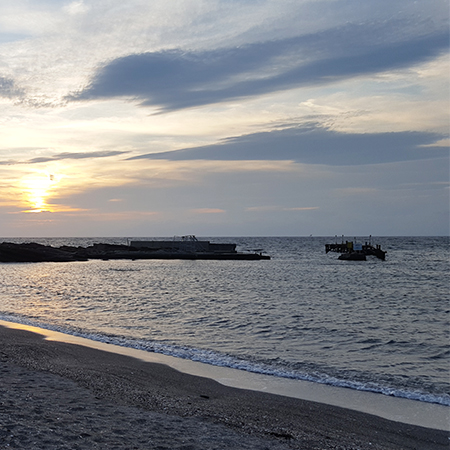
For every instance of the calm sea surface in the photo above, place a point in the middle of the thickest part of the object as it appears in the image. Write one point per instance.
(380, 326)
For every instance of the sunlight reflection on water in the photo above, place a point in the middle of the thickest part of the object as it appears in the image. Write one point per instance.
(303, 313)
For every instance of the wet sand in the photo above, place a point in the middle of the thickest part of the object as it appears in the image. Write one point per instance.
(56, 395)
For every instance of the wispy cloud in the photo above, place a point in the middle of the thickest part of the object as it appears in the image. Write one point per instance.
(274, 208)
(355, 191)
(316, 145)
(65, 155)
(172, 80)
(208, 211)
(75, 155)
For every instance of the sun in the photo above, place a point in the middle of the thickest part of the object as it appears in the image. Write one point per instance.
(36, 189)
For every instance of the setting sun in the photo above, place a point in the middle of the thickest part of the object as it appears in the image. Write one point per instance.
(37, 189)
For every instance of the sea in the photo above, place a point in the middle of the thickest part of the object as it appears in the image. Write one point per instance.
(377, 326)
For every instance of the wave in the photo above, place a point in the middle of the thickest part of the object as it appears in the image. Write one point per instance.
(222, 360)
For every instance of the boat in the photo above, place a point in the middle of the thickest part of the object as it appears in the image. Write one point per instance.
(354, 256)
(355, 251)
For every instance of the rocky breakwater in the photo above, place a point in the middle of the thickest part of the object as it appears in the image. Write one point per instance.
(33, 252)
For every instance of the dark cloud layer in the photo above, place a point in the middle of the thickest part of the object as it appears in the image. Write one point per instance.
(174, 80)
(316, 145)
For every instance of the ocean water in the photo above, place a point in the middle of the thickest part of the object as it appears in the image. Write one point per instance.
(379, 326)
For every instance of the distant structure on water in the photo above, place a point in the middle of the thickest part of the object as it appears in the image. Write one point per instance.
(186, 244)
(186, 247)
(189, 247)
(354, 251)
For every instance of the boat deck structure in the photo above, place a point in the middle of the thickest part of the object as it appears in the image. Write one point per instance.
(354, 251)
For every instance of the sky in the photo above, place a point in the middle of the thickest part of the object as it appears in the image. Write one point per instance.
(224, 118)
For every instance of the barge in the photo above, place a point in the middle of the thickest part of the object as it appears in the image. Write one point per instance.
(353, 251)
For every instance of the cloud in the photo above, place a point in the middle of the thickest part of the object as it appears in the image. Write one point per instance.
(312, 144)
(208, 211)
(355, 191)
(300, 208)
(66, 155)
(76, 7)
(172, 80)
(8, 88)
(75, 155)
(273, 208)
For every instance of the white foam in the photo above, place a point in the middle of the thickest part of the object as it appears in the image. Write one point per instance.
(397, 409)
(226, 361)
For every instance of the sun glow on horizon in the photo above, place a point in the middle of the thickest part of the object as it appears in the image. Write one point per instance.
(36, 191)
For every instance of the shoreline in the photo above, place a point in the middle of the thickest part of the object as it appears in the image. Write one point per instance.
(113, 390)
(397, 409)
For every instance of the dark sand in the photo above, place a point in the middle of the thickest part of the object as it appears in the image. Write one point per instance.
(56, 395)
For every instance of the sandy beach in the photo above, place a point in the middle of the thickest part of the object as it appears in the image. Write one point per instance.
(56, 395)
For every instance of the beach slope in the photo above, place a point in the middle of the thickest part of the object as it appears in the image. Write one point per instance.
(56, 395)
